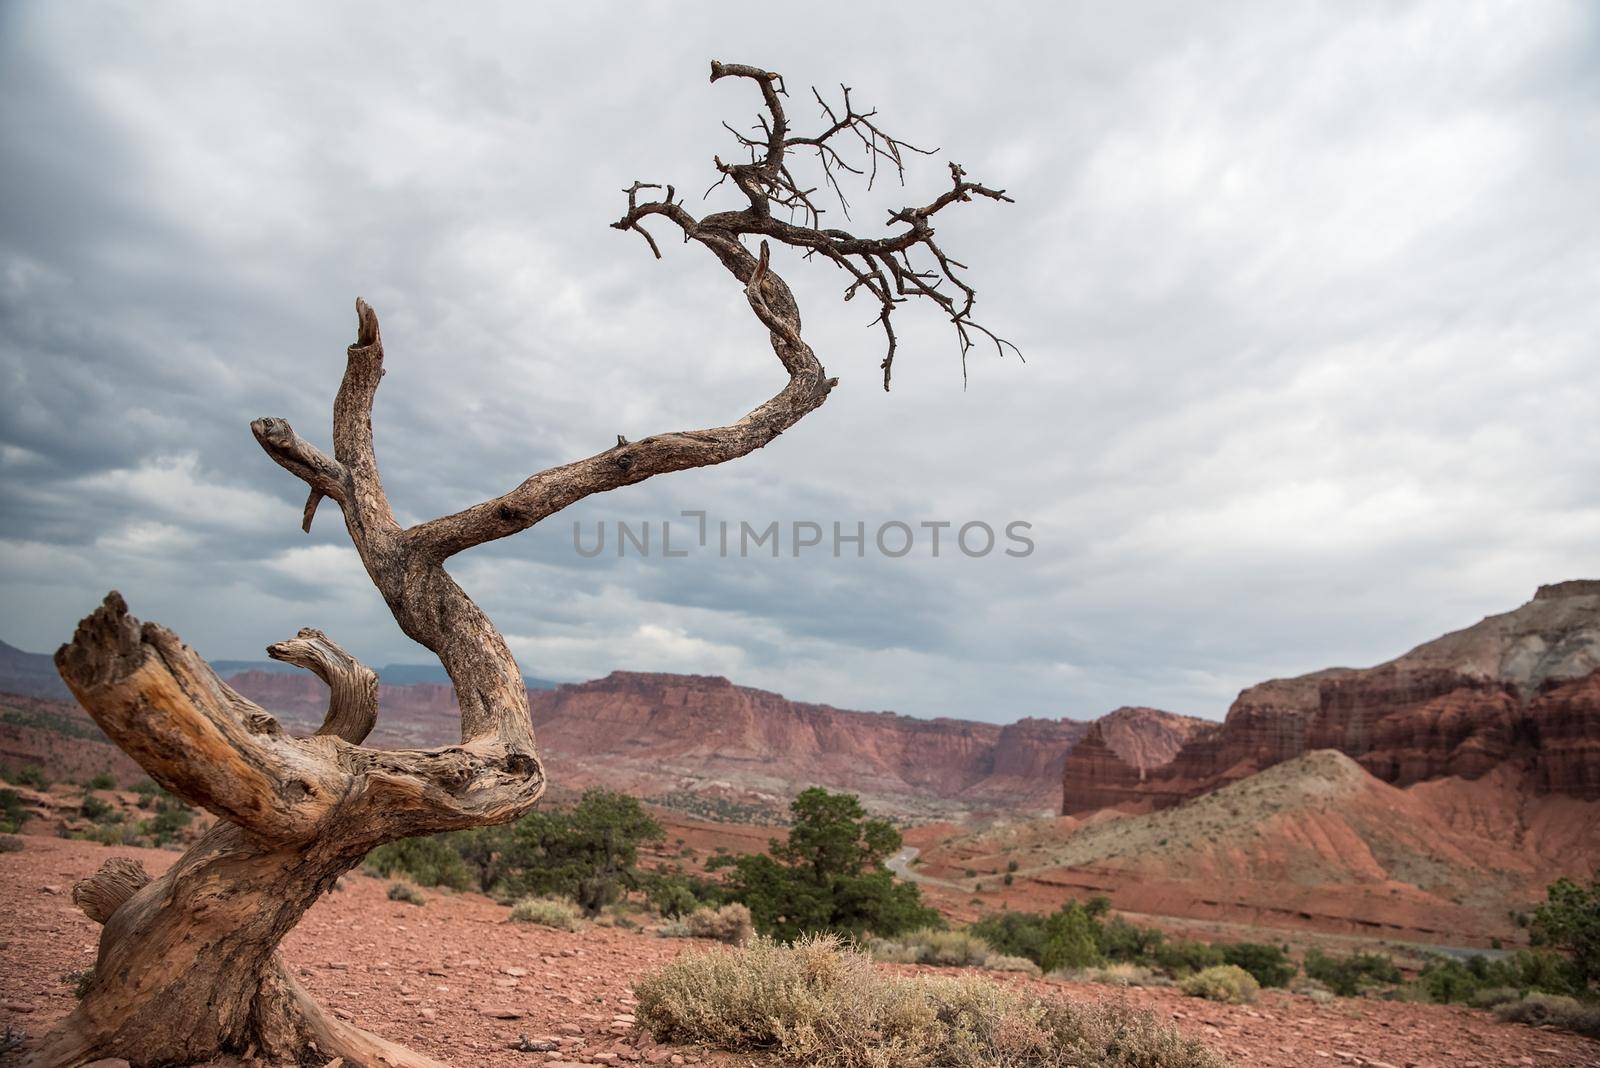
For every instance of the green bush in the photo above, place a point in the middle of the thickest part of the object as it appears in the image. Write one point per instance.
(1120, 940)
(548, 912)
(1570, 920)
(170, 818)
(406, 892)
(1070, 939)
(94, 809)
(12, 812)
(1447, 980)
(587, 852)
(1178, 959)
(1553, 1010)
(425, 861)
(1348, 976)
(1012, 934)
(828, 875)
(1269, 964)
(819, 1004)
(31, 775)
(103, 781)
(1223, 982)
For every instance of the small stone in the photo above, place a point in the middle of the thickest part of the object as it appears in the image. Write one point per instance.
(501, 1012)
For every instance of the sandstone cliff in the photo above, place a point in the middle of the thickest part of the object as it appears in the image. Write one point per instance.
(1522, 687)
(659, 733)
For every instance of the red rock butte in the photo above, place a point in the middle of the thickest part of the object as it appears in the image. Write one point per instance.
(1520, 690)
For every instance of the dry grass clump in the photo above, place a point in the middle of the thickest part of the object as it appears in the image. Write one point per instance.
(820, 1003)
(999, 962)
(1224, 982)
(402, 891)
(554, 912)
(1553, 1010)
(1123, 974)
(730, 924)
(945, 949)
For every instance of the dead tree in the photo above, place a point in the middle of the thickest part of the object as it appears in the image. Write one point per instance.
(188, 969)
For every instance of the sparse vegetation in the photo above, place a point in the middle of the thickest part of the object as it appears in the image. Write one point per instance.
(103, 781)
(554, 912)
(400, 891)
(30, 775)
(1222, 982)
(1269, 965)
(946, 949)
(429, 861)
(12, 812)
(10, 843)
(828, 875)
(818, 1003)
(1349, 976)
(730, 923)
(1569, 920)
(1553, 1010)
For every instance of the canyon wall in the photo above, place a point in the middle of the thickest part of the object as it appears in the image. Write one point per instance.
(1521, 687)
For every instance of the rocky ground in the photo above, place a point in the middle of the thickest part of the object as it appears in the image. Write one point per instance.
(454, 979)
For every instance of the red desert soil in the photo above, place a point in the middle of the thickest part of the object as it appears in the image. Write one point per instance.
(434, 977)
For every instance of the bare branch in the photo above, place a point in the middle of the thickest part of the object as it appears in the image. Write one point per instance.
(352, 686)
(164, 706)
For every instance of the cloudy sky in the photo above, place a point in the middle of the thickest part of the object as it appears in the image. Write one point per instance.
(1309, 297)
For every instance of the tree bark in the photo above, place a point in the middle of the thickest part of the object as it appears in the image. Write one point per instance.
(188, 969)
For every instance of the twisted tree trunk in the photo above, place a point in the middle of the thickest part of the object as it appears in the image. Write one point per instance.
(188, 969)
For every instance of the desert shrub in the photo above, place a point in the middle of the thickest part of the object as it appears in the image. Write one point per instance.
(425, 861)
(399, 891)
(1454, 980)
(548, 912)
(113, 833)
(1269, 964)
(587, 852)
(671, 895)
(1222, 982)
(1178, 959)
(1570, 920)
(1489, 997)
(999, 962)
(731, 924)
(171, 817)
(30, 775)
(1123, 973)
(94, 809)
(828, 875)
(1014, 934)
(1120, 940)
(948, 949)
(12, 812)
(103, 781)
(1553, 1010)
(818, 1003)
(1070, 939)
(10, 843)
(1348, 976)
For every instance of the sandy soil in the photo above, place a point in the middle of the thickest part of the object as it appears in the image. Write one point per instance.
(455, 980)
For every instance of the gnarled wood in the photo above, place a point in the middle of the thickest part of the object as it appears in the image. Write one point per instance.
(188, 968)
(104, 892)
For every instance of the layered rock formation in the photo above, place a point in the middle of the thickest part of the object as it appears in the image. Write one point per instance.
(658, 733)
(1523, 687)
(700, 728)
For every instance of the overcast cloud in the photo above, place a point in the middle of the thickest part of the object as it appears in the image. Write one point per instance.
(1309, 297)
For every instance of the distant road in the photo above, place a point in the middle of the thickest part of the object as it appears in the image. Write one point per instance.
(900, 864)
